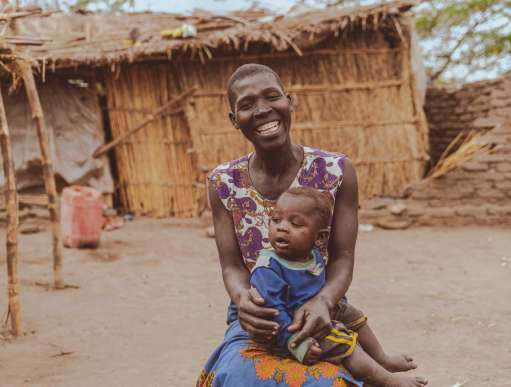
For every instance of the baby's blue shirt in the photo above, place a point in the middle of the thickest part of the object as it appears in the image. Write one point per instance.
(287, 285)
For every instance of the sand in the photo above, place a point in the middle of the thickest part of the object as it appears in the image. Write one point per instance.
(150, 306)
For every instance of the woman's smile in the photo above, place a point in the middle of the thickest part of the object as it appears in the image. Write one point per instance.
(268, 129)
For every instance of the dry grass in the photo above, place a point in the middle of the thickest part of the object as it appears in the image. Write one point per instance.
(469, 145)
(104, 39)
(157, 174)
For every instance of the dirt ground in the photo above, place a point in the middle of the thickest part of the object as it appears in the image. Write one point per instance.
(151, 306)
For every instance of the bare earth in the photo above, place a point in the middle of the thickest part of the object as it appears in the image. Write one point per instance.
(151, 306)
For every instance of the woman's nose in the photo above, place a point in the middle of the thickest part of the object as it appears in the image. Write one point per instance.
(261, 110)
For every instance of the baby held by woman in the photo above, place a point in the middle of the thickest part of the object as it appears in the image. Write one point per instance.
(293, 271)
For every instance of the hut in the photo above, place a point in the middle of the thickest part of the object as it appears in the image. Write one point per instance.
(350, 71)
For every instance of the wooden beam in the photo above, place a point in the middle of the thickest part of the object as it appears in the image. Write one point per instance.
(48, 173)
(321, 88)
(149, 118)
(11, 201)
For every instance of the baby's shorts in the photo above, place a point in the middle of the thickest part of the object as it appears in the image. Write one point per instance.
(341, 342)
(352, 318)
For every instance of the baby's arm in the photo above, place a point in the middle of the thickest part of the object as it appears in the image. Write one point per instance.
(273, 289)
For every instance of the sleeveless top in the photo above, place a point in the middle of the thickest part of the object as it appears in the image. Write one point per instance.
(251, 211)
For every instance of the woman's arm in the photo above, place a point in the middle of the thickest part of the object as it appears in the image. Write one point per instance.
(341, 248)
(313, 318)
(254, 318)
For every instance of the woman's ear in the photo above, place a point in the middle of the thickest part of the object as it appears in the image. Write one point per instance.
(232, 117)
(322, 237)
(291, 102)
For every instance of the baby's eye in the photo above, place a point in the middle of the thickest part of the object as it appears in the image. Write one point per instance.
(297, 224)
(275, 220)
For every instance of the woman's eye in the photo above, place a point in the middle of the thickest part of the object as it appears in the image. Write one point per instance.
(273, 97)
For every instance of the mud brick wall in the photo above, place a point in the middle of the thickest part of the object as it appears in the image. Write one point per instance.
(479, 191)
(453, 110)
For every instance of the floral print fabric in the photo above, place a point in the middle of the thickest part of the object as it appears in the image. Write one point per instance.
(251, 211)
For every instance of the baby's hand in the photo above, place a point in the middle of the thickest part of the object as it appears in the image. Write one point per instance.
(313, 354)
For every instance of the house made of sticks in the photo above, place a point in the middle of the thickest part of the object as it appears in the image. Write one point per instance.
(351, 73)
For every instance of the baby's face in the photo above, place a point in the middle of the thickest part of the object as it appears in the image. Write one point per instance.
(294, 227)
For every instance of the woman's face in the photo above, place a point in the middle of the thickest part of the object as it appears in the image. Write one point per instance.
(261, 110)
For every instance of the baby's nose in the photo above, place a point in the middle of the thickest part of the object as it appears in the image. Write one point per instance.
(283, 226)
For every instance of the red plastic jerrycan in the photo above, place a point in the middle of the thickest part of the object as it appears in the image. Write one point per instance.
(81, 217)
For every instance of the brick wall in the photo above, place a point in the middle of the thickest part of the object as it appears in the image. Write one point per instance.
(453, 110)
(479, 192)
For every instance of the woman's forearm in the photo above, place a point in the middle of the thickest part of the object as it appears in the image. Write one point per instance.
(236, 280)
(338, 279)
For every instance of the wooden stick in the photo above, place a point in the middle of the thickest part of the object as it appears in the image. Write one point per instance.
(48, 173)
(11, 200)
(150, 118)
(15, 15)
(304, 89)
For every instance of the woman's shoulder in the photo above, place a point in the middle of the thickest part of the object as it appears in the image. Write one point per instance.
(230, 167)
(322, 169)
(315, 153)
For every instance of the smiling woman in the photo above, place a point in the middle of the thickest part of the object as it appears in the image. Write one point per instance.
(243, 193)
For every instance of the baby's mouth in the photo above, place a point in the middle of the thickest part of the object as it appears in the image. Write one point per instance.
(281, 243)
(268, 129)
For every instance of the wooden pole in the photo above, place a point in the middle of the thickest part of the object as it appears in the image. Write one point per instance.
(11, 200)
(150, 118)
(48, 173)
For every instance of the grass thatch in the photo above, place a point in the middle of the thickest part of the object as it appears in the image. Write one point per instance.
(104, 39)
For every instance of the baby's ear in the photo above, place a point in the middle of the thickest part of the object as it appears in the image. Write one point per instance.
(322, 237)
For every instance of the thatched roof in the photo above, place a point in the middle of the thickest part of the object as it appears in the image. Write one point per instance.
(104, 39)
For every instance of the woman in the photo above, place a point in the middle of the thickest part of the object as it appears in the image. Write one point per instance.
(242, 193)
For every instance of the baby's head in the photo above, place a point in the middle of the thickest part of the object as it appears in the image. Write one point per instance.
(300, 220)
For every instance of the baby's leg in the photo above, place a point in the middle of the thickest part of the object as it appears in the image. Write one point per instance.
(356, 320)
(393, 363)
(340, 347)
(363, 367)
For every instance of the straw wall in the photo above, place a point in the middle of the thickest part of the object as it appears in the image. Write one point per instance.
(156, 170)
(355, 98)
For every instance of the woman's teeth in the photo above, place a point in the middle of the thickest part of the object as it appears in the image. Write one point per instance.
(269, 128)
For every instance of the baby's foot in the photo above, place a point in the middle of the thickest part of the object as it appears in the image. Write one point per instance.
(398, 363)
(406, 381)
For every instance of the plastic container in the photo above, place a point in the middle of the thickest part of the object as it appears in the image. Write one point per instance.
(81, 216)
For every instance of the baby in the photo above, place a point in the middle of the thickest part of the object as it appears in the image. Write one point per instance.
(293, 271)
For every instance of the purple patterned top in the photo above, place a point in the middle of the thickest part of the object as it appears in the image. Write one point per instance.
(251, 211)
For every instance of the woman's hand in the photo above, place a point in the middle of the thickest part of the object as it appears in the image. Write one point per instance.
(256, 319)
(312, 319)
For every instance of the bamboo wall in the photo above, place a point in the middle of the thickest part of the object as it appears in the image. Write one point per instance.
(357, 98)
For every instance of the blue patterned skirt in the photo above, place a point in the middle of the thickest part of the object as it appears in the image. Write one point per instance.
(239, 361)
